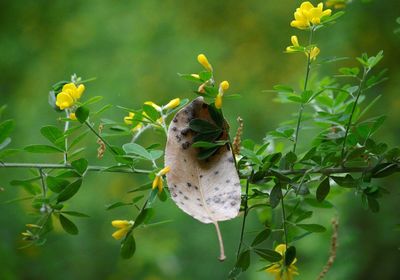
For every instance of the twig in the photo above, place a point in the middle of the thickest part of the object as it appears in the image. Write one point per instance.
(332, 255)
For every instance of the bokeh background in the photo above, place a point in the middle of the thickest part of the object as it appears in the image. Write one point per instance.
(135, 49)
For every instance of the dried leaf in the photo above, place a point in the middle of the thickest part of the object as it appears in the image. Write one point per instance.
(208, 190)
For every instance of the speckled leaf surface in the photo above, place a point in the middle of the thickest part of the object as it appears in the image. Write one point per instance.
(208, 190)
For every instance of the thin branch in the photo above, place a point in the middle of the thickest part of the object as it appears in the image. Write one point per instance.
(284, 222)
(101, 138)
(360, 90)
(246, 211)
(332, 254)
(90, 168)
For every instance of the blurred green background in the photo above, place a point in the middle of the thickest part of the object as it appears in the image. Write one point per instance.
(135, 49)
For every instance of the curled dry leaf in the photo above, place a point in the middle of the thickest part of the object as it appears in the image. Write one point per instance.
(208, 190)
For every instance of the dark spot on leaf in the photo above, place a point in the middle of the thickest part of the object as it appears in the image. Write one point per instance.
(174, 128)
(185, 145)
(185, 197)
(228, 181)
(189, 184)
(216, 188)
(216, 172)
(230, 159)
(175, 120)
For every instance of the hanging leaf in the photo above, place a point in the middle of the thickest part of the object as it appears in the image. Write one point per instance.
(208, 190)
(128, 247)
(263, 235)
(69, 191)
(323, 189)
(68, 225)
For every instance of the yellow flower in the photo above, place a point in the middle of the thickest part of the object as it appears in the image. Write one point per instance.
(218, 101)
(224, 85)
(136, 128)
(307, 15)
(154, 105)
(72, 117)
(128, 119)
(158, 180)
(123, 228)
(195, 76)
(75, 92)
(32, 226)
(64, 100)
(314, 53)
(295, 44)
(173, 103)
(279, 269)
(69, 95)
(202, 59)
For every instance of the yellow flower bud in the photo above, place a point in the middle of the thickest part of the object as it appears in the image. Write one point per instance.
(157, 183)
(202, 59)
(173, 103)
(295, 41)
(218, 101)
(224, 85)
(128, 119)
(164, 171)
(195, 76)
(72, 117)
(32, 226)
(119, 234)
(154, 105)
(121, 223)
(314, 53)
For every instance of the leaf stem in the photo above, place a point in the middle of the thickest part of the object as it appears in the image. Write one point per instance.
(66, 126)
(360, 90)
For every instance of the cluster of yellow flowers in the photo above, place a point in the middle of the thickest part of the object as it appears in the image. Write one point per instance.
(279, 269)
(307, 17)
(123, 227)
(223, 86)
(158, 180)
(69, 94)
(170, 105)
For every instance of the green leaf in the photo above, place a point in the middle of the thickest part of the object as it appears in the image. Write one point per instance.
(206, 153)
(44, 149)
(203, 126)
(151, 112)
(317, 204)
(6, 128)
(68, 225)
(142, 217)
(82, 113)
(384, 170)
(80, 165)
(56, 184)
(303, 216)
(261, 236)
(216, 115)
(75, 214)
(156, 154)
(291, 158)
(323, 189)
(275, 196)
(54, 135)
(290, 255)
(136, 149)
(69, 191)
(312, 227)
(128, 247)
(204, 144)
(117, 204)
(143, 187)
(243, 261)
(208, 136)
(348, 181)
(268, 254)
(373, 204)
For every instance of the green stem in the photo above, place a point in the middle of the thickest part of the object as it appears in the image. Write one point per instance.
(66, 126)
(300, 115)
(284, 222)
(360, 90)
(101, 138)
(244, 216)
(91, 168)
